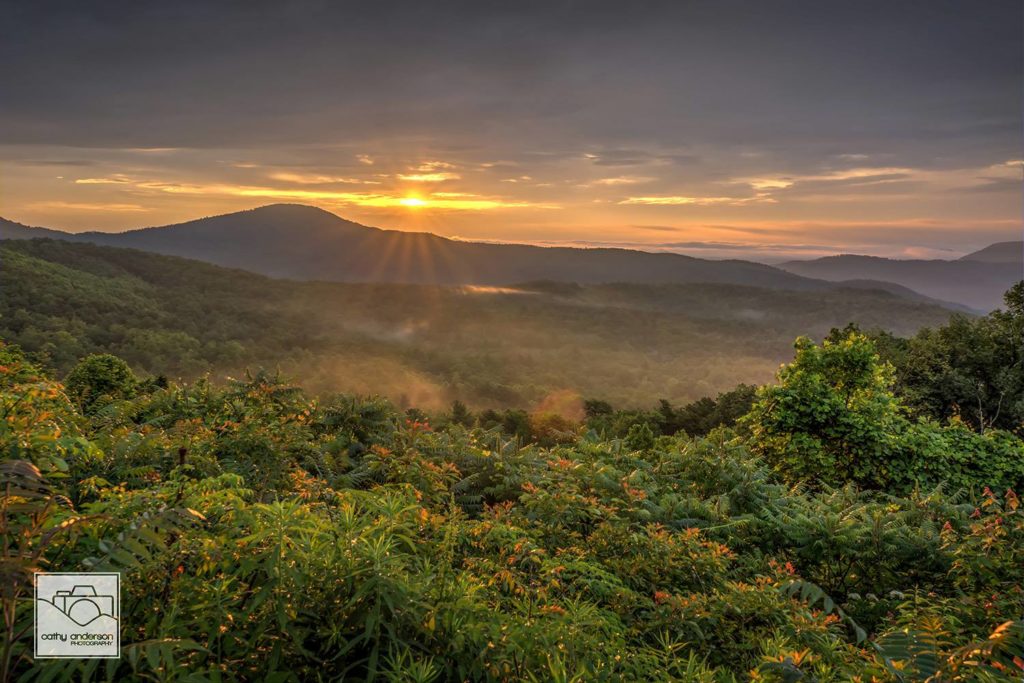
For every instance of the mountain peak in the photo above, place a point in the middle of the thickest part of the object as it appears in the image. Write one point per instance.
(280, 214)
(1000, 252)
(260, 223)
(288, 210)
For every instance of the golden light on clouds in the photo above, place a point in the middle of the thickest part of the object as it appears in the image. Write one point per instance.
(429, 177)
(782, 182)
(111, 180)
(88, 206)
(623, 180)
(315, 179)
(769, 183)
(454, 201)
(677, 200)
(556, 197)
(471, 125)
(431, 172)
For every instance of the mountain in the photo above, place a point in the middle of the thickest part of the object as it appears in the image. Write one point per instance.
(307, 243)
(1000, 252)
(9, 230)
(977, 280)
(423, 345)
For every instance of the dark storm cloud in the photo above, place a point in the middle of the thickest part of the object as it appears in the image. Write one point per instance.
(935, 83)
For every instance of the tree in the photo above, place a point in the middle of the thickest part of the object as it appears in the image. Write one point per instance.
(832, 417)
(460, 414)
(640, 437)
(597, 408)
(971, 368)
(99, 379)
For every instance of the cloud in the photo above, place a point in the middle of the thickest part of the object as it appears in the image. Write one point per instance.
(429, 177)
(428, 166)
(87, 206)
(116, 179)
(58, 162)
(721, 109)
(622, 180)
(861, 175)
(910, 182)
(456, 201)
(431, 172)
(678, 200)
(620, 157)
(313, 179)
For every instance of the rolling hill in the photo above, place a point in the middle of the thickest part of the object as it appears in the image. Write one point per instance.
(421, 344)
(977, 280)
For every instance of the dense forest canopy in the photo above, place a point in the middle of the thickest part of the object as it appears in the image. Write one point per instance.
(835, 524)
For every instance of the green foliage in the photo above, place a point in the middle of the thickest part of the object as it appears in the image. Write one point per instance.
(640, 437)
(697, 418)
(970, 368)
(100, 379)
(834, 419)
(460, 414)
(267, 535)
(832, 415)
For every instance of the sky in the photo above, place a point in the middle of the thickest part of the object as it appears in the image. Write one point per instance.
(763, 129)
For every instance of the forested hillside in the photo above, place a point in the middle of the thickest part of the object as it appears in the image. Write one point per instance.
(418, 344)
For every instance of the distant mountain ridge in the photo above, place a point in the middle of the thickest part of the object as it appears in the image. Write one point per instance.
(307, 243)
(1000, 252)
(978, 279)
(9, 230)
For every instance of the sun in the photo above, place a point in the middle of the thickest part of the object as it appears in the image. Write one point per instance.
(412, 202)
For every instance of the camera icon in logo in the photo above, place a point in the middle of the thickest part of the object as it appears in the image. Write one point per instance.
(82, 604)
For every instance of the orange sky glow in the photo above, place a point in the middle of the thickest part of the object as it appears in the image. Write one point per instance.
(854, 206)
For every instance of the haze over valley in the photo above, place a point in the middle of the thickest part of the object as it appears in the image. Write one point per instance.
(427, 344)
